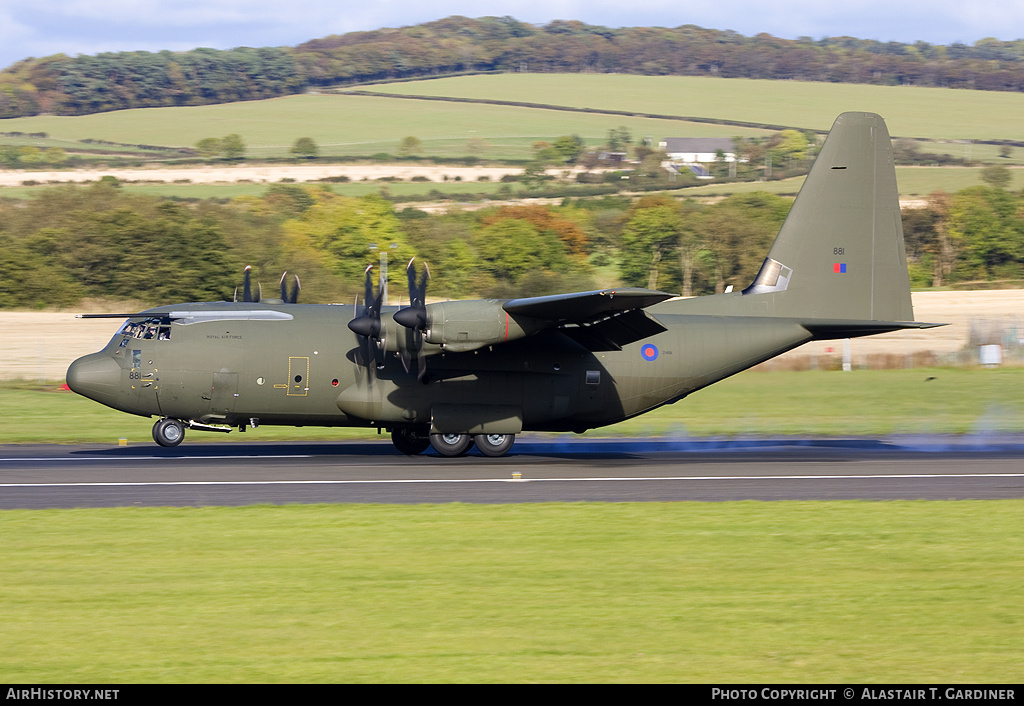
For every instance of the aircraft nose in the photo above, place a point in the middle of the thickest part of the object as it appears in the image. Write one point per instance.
(95, 376)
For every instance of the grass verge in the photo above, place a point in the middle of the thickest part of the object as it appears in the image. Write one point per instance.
(895, 592)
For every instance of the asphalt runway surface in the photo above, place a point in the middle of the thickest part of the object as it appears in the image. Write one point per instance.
(919, 468)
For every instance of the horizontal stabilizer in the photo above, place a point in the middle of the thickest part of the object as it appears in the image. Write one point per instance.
(833, 329)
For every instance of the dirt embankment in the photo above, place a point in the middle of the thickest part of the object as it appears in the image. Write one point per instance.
(257, 173)
(40, 346)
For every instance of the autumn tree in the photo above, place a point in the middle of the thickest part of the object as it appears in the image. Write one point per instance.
(996, 176)
(737, 232)
(652, 231)
(305, 148)
(987, 221)
(569, 148)
(228, 147)
(348, 233)
(232, 146)
(619, 139)
(532, 250)
(410, 146)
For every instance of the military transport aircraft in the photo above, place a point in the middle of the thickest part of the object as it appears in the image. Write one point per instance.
(451, 374)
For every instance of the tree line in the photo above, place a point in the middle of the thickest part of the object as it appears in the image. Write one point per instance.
(97, 241)
(66, 85)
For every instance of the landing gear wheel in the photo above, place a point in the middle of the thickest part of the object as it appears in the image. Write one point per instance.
(168, 432)
(494, 444)
(409, 441)
(451, 444)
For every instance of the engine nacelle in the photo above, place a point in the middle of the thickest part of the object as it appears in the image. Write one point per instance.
(460, 326)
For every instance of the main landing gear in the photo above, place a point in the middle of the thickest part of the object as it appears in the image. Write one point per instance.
(168, 432)
(411, 442)
(494, 444)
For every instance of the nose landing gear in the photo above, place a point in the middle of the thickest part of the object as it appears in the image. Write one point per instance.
(168, 432)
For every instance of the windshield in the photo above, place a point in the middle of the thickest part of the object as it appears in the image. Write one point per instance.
(151, 328)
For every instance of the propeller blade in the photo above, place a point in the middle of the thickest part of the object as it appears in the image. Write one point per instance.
(246, 284)
(293, 296)
(414, 318)
(367, 324)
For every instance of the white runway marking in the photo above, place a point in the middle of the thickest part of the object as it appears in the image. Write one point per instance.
(441, 481)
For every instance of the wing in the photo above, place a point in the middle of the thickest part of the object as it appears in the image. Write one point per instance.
(600, 320)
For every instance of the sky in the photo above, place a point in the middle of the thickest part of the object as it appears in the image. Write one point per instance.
(36, 28)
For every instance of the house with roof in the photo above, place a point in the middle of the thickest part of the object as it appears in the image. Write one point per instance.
(698, 150)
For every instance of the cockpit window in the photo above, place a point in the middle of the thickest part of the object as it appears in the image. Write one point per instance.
(152, 328)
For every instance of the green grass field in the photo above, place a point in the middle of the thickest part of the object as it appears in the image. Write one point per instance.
(913, 181)
(894, 592)
(936, 113)
(753, 403)
(354, 125)
(345, 125)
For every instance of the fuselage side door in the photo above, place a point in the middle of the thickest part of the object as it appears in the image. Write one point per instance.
(223, 392)
(298, 376)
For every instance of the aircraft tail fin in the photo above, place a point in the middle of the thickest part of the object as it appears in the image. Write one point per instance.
(840, 253)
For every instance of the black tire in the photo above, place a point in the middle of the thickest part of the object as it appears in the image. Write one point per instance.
(409, 441)
(451, 444)
(168, 432)
(494, 444)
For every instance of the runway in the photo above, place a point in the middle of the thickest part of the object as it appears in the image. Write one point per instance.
(924, 468)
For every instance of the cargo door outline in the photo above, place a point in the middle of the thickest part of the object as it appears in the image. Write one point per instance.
(298, 377)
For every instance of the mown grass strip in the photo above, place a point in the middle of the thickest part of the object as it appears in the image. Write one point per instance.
(749, 592)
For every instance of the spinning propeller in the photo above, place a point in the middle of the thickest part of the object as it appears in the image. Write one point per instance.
(293, 296)
(247, 289)
(414, 318)
(287, 297)
(372, 333)
(367, 324)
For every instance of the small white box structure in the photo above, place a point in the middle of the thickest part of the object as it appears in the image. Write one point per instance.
(990, 354)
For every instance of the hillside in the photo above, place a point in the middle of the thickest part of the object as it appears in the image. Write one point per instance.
(64, 85)
(364, 125)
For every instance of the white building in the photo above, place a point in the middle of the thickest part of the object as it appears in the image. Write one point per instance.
(698, 150)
